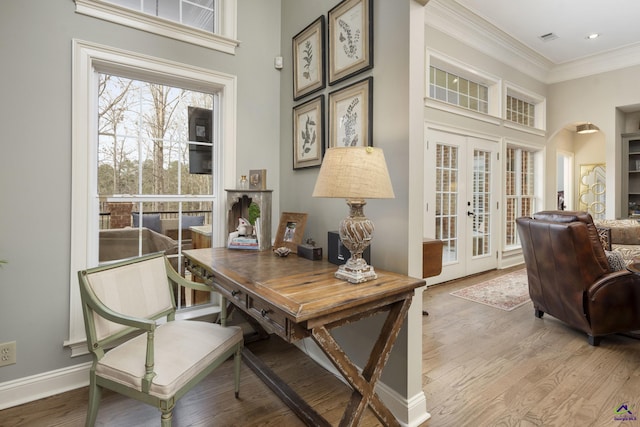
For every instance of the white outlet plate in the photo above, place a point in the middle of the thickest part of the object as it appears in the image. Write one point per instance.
(7, 353)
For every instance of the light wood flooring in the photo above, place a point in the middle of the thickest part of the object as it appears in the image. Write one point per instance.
(481, 367)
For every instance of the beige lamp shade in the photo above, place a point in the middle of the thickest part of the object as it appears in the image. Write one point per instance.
(354, 173)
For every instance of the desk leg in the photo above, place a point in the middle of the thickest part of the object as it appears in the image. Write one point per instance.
(301, 408)
(364, 384)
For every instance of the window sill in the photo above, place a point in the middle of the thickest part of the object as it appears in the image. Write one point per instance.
(487, 118)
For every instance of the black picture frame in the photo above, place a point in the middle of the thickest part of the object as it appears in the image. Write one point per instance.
(350, 26)
(351, 115)
(309, 53)
(308, 133)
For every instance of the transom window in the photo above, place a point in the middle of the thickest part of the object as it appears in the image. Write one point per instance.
(208, 23)
(520, 111)
(193, 13)
(456, 90)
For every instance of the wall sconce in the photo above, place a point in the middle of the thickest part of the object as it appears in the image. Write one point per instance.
(587, 128)
(354, 174)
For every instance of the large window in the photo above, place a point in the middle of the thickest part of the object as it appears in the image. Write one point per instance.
(208, 23)
(133, 172)
(151, 183)
(519, 190)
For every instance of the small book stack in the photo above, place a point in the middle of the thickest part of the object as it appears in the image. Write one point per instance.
(243, 242)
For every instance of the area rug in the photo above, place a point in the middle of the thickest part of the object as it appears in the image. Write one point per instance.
(506, 292)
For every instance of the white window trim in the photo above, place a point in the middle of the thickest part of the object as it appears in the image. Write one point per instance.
(224, 41)
(539, 102)
(88, 60)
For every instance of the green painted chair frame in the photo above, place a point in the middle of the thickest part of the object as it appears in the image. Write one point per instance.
(98, 317)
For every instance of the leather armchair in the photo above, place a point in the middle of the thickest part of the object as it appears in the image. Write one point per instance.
(570, 279)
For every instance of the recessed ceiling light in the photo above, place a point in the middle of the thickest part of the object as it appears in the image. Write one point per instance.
(593, 36)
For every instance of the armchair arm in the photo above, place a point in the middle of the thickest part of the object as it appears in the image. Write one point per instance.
(618, 281)
(179, 280)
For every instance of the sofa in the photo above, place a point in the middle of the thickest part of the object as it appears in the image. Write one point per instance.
(623, 236)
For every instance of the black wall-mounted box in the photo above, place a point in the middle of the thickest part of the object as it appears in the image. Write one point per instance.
(310, 252)
(338, 254)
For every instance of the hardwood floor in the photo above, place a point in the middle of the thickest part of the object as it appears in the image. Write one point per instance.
(481, 367)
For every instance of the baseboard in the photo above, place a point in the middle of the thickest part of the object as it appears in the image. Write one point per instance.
(410, 412)
(29, 389)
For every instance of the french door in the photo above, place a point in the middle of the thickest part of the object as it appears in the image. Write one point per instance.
(464, 209)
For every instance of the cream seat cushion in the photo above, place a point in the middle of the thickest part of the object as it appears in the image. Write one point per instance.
(182, 349)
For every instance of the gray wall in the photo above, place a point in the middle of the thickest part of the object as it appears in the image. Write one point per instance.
(35, 160)
(390, 248)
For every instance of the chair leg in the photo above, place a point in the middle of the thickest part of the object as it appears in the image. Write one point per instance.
(539, 313)
(95, 393)
(594, 341)
(237, 357)
(166, 418)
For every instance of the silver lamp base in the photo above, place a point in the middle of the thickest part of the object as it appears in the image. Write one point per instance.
(356, 233)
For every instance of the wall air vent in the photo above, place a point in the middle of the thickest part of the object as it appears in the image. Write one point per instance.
(548, 37)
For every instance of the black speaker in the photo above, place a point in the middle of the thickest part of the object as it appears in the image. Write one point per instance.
(338, 254)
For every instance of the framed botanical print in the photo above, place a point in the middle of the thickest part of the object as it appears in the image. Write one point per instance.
(308, 59)
(350, 39)
(308, 133)
(350, 115)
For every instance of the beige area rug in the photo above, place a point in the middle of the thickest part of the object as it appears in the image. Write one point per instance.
(506, 292)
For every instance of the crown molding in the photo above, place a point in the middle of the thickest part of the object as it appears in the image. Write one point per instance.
(627, 56)
(460, 23)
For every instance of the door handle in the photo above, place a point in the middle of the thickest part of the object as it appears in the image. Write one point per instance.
(469, 213)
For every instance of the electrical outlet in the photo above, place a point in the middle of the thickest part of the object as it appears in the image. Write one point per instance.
(7, 353)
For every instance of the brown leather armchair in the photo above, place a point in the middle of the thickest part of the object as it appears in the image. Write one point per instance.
(570, 279)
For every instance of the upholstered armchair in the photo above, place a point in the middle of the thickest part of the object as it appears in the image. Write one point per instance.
(139, 349)
(570, 277)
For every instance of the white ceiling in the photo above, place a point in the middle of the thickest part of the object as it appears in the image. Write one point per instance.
(510, 30)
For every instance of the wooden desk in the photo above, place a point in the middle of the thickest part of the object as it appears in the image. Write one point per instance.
(296, 298)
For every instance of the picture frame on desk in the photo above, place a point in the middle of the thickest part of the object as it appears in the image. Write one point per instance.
(290, 230)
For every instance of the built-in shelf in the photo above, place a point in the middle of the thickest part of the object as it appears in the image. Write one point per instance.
(631, 175)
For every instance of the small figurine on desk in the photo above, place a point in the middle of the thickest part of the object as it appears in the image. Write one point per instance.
(242, 238)
(282, 251)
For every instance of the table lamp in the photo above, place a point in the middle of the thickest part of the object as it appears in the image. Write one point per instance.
(354, 174)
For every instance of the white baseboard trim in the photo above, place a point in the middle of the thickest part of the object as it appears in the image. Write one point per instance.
(28, 389)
